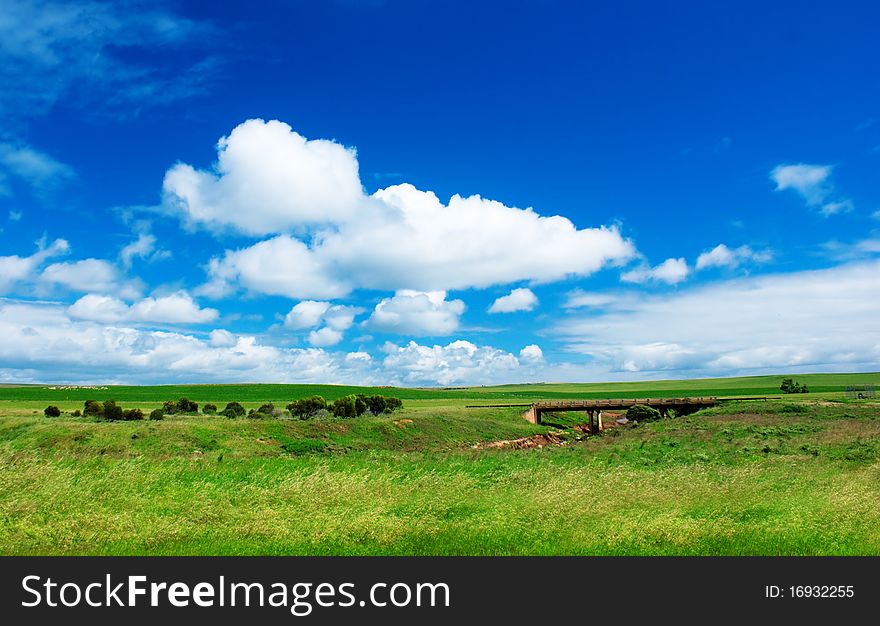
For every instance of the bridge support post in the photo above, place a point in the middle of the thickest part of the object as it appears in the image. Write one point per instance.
(531, 415)
(599, 421)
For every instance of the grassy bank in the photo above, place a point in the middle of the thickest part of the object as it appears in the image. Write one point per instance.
(799, 476)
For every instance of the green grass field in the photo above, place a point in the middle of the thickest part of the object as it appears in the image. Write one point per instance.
(800, 475)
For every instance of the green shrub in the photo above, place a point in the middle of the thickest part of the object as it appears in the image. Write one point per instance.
(393, 404)
(345, 406)
(157, 414)
(377, 404)
(77, 413)
(267, 409)
(92, 408)
(52, 411)
(307, 408)
(187, 406)
(209, 409)
(233, 410)
(642, 413)
(790, 386)
(112, 411)
(794, 408)
(360, 404)
(132, 415)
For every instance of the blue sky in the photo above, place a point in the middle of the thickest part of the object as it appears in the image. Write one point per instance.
(437, 193)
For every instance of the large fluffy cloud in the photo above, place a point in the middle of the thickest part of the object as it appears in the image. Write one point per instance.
(822, 319)
(89, 275)
(268, 179)
(331, 238)
(417, 313)
(176, 308)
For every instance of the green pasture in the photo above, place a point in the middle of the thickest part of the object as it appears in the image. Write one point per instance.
(799, 475)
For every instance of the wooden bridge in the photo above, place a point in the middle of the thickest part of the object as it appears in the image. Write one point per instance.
(595, 407)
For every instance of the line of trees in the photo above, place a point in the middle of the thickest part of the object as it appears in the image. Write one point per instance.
(350, 406)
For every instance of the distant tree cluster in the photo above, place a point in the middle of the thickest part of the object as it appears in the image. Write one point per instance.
(353, 405)
(790, 386)
(107, 410)
(172, 407)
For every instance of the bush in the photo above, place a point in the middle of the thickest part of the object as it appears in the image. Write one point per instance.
(790, 386)
(307, 408)
(157, 414)
(132, 415)
(92, 408)
(187, 406)
(112, 411)
(393, 404)
(642, 413)
(209, 409)
(345, 406)
(377, 404)
(77, 413)
(360, 404)
(233, 410)
(52, 411)
(180, 406)
(267, 409)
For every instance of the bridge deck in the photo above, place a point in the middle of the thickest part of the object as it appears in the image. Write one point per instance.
(595, 407)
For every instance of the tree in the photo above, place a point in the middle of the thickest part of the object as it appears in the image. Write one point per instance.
(132, 414)
(92, 408)
(642, 413)
(377, 404)
(790, 386)
(112, 411)
(393, 404)
(187, 406)
(52, 411)
(233, 410)
(345, 406)
(307, 408)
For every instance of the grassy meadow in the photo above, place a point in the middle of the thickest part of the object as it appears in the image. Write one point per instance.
(798, 475)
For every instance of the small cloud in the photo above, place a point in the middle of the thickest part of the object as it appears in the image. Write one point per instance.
(39, 170)
(833, 208)
(531, 354)
(813, 184)
(722, 256)
(582, 299)
(671, 272)
(517, 300)
(15, 216)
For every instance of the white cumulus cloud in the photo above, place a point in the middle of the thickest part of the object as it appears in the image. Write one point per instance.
(417, 313)
(176, 308)
(722, 256)
(521, 299)
(457, 362)
(330, 238)
(531, 354)
(670, 271)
